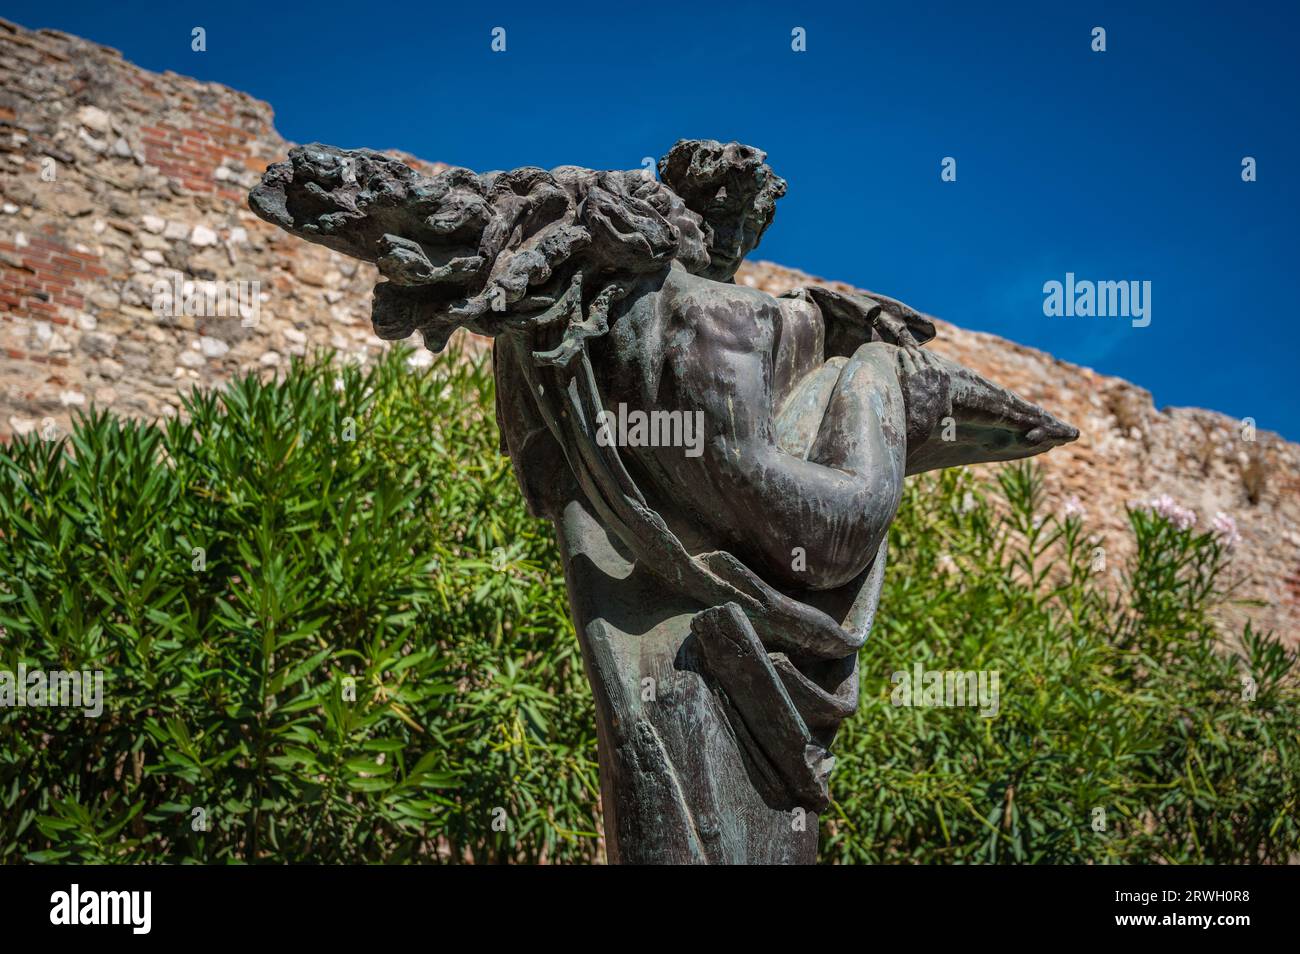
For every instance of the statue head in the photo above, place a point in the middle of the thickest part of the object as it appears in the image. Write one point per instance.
(732, 188)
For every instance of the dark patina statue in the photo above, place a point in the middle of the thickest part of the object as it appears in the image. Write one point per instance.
(724, 550)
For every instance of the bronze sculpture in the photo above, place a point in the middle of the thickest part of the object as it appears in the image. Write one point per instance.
(724, 552)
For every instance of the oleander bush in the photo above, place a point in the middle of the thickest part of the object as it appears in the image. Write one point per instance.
(331, 633)
(1124, 731)
(325, 621)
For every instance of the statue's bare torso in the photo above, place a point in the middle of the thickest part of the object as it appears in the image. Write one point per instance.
(748, 362)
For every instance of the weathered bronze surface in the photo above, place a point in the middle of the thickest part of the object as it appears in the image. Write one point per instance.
(721, 466)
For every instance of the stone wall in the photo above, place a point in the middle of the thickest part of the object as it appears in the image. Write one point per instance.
(113, 179)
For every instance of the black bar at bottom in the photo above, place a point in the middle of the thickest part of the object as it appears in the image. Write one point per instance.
(339, 904)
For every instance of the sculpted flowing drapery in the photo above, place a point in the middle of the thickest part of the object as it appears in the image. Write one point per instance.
(720, 592)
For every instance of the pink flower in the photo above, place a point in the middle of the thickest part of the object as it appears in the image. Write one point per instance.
(1165, 506)
(1073, 507)
(1226, 529)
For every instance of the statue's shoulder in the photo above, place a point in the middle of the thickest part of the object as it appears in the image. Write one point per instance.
(699, 314)
(687, 289)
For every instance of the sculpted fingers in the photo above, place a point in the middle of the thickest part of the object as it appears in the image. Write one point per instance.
(926, 392)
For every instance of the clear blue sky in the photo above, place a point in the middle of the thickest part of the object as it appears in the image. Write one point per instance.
(1123, 165)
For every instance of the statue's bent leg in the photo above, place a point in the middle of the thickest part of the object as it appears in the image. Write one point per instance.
(860, 430)
(799, 418)
(865, 425)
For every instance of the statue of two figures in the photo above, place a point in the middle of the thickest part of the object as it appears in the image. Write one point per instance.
(724, 559)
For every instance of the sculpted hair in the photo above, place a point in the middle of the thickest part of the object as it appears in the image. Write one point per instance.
(722, 182)
(487, 252)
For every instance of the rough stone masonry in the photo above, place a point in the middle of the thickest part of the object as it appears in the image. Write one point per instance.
(114, 179)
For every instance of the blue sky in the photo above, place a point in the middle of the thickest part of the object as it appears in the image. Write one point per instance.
(1123, 165)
